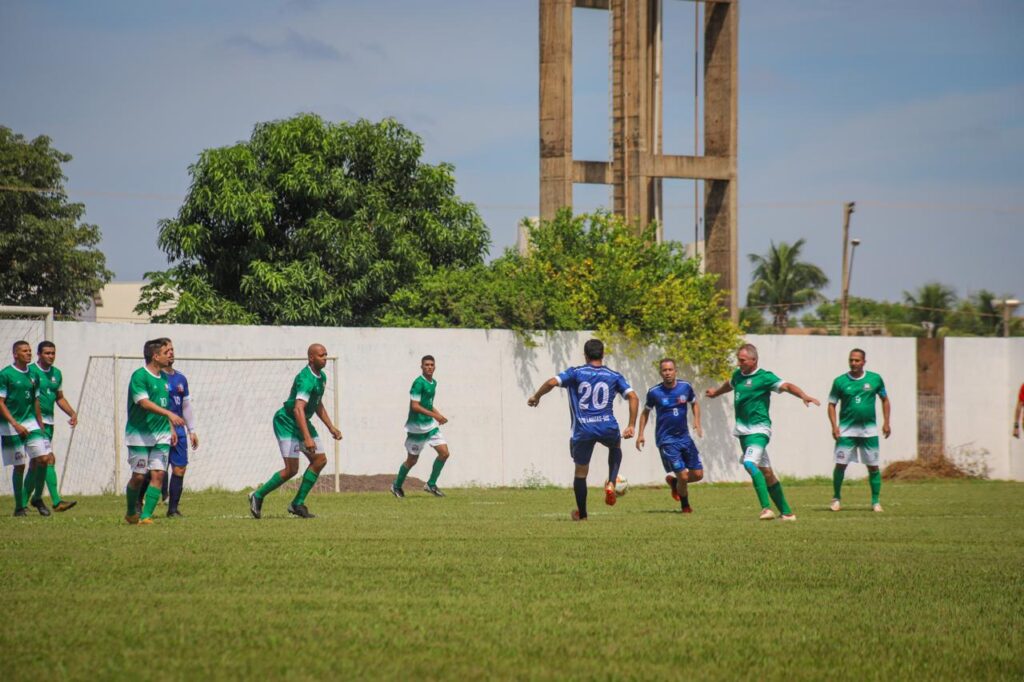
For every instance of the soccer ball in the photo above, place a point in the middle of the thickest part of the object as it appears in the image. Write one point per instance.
(621, 486)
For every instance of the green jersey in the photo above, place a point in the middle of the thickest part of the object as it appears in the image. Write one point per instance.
(144, 428)
(752, 400)
(50, 382)
(856, 397)
(308, 387)
(19, 390)
(422, 391)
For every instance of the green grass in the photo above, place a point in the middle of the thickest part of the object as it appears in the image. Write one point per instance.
(500, 584)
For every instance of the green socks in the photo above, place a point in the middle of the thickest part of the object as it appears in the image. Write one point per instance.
(51, 484)
(18, 481)
(837, 481)
(436, 471)
(308, 480)
(403, 471)
(270, 486)
(149, 504)
(875, 480)
(29, 486)
(132, 498)
(779, 498)
(760, 487)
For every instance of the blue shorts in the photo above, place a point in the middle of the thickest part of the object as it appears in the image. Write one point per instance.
(680, 454)
(582, 450)
(179, 452)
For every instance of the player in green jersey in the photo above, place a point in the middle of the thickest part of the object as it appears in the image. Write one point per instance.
(293, 427)
(51, 382)
(149, 429)
(21, 436)
(753, 388)
(856, 433)
(422, 428)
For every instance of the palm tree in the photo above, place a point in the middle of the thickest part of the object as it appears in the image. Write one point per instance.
(783, 283)
(931, 303)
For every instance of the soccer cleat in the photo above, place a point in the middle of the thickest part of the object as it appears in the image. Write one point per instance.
(687, 510)
(836, 505)
(766, 514)
(609, 494)
(576, 515)
(876, 507)
(255, 505)
(132, 519)
(671, 480)
(65, 505)
(433, 490)
(300, 511)
(788, 517)
(146, 522)
(397, 492)
(40, 507)
(171, 513)
(21, 511)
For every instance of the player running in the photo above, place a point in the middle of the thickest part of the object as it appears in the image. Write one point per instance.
(21, 435)
(293, 427)
(149, 430)
(50, 382)
(679, 454)
(423, 428)
(856, 434)
(592, 388)
(753, 389)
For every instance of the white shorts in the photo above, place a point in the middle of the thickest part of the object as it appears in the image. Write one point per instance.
(859, 452)
(18, 450)
(142, 459)
(291, 448)
(757, 454)
(415, 447)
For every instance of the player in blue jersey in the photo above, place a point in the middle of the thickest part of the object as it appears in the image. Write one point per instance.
(592, 388)
(180, 403)
(679, 454)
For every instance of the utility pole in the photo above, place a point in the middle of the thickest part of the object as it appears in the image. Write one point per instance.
(844, 313)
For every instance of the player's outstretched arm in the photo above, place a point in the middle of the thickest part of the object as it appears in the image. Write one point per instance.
(321, 412)
(66, 408)
(299, 412)
(886, 409)
(696, 419)
(721, 390)
(415, 406)
(544, 389)
(795, 390)
(640, 429)
(149, 406)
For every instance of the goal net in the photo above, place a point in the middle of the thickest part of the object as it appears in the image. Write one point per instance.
(20, 323)
(233, 402)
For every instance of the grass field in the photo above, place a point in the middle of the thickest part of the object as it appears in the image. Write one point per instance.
(500, 584)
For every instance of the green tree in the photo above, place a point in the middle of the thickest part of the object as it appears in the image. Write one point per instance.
(865, 313)
(784, 284)
(311, 222)
(930, 305)
(47, 256)
(585, 272)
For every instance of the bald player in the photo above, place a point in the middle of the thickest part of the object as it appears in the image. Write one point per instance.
(293, 426)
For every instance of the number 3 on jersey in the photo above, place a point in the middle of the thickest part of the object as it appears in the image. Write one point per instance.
(599, 392)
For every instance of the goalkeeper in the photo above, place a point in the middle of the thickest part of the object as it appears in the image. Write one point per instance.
(296, 434)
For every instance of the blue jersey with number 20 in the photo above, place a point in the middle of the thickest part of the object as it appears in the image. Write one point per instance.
(592, 391)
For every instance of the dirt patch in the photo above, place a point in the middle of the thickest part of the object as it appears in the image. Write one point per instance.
(360, 484)
(920, 469)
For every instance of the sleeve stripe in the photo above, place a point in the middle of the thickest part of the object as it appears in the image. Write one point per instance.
(304, 397)
(140, 396)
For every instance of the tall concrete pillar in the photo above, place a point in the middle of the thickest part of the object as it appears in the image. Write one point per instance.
(556, 163)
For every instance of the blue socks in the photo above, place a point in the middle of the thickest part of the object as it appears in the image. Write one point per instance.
(614, 462)
(579, 486)
(177, 483)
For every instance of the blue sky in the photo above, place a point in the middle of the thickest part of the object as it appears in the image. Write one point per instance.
(913, 109)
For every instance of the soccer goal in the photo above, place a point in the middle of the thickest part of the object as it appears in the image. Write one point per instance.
(25, 323)
(233, 399)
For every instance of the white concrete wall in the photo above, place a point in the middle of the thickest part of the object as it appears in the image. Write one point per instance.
(983, 377)
(484, 380)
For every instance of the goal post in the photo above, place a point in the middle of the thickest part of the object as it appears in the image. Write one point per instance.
(28, 323)
(234, 400)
